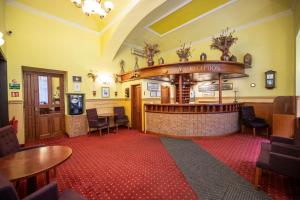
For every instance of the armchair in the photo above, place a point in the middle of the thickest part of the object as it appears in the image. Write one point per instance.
(9, 142)
(95, 122)
(281, 159)
(120, 118)
(48, 192)
(249, 119)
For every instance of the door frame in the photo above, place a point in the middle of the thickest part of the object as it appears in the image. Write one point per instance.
(140, 108)
(4, 117)
(36, 70)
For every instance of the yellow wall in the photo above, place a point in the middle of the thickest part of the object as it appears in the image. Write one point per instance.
(272, 48)
(297, 33)
(2, 21)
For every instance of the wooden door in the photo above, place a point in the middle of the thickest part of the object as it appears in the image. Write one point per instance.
(165, 94)
(3, 91)
(43, 105)
(136, 107)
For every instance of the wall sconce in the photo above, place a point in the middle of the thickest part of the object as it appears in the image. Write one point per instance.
(252, 85)
(1, 39)
(93, 77)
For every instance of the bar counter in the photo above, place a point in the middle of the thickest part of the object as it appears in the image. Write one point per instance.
(192, 120)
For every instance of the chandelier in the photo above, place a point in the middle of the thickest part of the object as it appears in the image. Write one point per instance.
(96, 7)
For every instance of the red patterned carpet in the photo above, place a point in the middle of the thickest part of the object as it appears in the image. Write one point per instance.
(240, 153)
(130, 165)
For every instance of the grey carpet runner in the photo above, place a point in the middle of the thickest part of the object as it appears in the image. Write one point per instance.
(208, 177)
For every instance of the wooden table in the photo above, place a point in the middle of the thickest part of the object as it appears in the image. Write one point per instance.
(27, 164)
(108, 116)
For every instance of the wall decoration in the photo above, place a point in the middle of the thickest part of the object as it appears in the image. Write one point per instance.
(208, 94)
(151, 50)
(203, 57)
(127, 93)
(233, 58)
(14, 85)
(215, 87)
(223, 42)
(93, 77)
(15, 94)
(252, 85)
(76, 87)
(184, 53)
(77, 79)
(136, 65)
(270, 79)
(105, 92)
(248, 59)
(152, 86)
(122, 66)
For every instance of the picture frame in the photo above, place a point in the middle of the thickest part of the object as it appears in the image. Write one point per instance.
(77, 79)
(105, 92)
(215, 87)
(152, 86)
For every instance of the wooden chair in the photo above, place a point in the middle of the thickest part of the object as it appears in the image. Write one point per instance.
(96, 122)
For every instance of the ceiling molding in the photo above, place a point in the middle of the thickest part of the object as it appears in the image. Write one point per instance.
(147, 27)
(32, 10)
(243, 27)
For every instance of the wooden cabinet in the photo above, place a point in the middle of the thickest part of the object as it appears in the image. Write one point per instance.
(76, 125)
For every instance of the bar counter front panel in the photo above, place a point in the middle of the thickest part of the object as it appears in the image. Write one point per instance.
(192, 120)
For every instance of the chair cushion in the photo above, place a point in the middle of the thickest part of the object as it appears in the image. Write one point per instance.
(7, 190)
(265, 146)
(263, 159)
(8, 141)
(70, 195)
(257, 124)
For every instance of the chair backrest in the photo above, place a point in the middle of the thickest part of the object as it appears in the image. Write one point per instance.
(92, 115)
(8, 141)
(7, 190)
(120, 111)
(297, 136)
(247, 113)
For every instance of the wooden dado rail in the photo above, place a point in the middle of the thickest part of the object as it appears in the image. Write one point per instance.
(193, 108)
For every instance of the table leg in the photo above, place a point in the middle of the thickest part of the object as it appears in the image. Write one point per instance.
(31, 184)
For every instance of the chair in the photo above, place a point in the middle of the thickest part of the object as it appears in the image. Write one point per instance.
(48, 192)
(120, 118)
(9, 142)
(249, 119)
(281, 159)
(95, 122)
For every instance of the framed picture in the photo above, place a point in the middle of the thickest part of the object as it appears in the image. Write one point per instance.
(77, 79)
(105, 92)
(215, 87)
(153, 94)
(152, 86)
(158, 94)
(208, 94)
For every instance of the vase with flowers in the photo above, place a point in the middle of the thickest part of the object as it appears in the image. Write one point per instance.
(184, 53)
(150, 51)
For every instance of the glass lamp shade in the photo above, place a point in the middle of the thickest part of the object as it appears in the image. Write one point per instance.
(91, 7)
(102, 13)
(1, 42)
(108, 5)
(76, 2)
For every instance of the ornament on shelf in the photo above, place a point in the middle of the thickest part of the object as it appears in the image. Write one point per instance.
(223, 42)
(233, 58)
(150, 51)
(136, 65)
(122, 66)
(203, 57)
(184, 53)
(161, 61)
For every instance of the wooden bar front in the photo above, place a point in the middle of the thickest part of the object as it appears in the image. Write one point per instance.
(192, 120)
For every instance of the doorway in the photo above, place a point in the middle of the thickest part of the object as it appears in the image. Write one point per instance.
(165, 94)
(44, 104)
(136, 107)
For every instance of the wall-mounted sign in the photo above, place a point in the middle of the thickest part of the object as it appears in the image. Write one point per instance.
(14, 85)
(77, 79)
(215, 87)
(152, 86)
(14, 94)
(208, 94)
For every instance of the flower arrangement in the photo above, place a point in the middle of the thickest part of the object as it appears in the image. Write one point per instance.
(184, 53)
(223, 42)
(150, 51)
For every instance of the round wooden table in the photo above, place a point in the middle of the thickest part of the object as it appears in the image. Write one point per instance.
(27, 164)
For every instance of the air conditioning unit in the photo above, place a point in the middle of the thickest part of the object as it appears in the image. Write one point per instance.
(138, 52)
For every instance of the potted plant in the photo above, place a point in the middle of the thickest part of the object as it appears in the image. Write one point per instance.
(184, 53)
(150, 51)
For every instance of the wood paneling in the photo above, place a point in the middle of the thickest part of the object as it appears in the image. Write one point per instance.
(284, 125)
(165, 94)
(136, 107)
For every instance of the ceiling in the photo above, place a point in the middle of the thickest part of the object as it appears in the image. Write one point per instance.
(168, 25)
(66, 10)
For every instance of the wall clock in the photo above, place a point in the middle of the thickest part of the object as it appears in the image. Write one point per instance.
(270, 79)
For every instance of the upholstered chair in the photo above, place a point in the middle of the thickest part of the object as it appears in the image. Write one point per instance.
(281, 159)
(48, 192)
(120, 118)
(9, 142)
(249, 119)
(96, 122)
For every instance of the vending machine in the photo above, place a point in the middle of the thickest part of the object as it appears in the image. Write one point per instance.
(75, 104)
